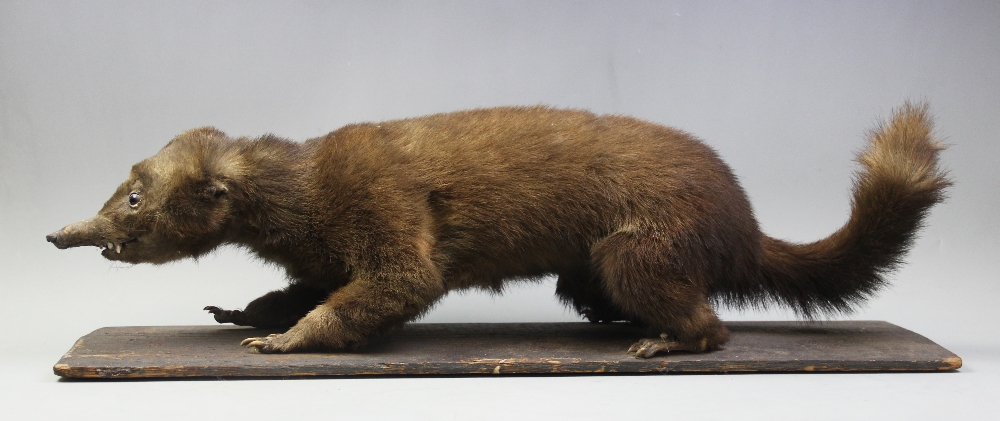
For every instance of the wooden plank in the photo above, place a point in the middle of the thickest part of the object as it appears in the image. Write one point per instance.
(531, 348)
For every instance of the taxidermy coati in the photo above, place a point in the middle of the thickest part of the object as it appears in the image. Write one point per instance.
(375, 222)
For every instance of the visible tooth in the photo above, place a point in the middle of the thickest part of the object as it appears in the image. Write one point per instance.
(118, 248)
(110, 245)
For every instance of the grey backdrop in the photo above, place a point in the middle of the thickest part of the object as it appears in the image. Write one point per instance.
(783, 90)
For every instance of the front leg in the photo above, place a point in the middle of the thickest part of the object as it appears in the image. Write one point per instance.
(282, 308)
(371, 304)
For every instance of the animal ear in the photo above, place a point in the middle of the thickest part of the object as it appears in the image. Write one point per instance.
(215, 189)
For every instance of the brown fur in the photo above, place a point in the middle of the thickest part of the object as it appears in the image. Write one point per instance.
(376, 222)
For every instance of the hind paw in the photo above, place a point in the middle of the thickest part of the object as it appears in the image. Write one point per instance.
(649, 347)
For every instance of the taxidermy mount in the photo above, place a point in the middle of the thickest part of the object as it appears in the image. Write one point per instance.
(375, 222)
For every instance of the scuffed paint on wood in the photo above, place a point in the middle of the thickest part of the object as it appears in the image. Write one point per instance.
(501, 349)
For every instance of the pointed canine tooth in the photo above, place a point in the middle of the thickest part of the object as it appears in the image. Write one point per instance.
(118, 248)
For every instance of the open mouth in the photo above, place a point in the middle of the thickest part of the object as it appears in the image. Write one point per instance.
(115, 247)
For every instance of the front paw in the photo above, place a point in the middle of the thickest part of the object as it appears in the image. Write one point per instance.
(260, 344)
(226, 316)
(317, 332)
(274, 343)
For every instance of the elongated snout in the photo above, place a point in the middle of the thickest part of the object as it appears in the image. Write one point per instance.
(83, 233)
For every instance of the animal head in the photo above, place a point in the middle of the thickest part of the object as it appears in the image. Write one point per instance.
(173, 205)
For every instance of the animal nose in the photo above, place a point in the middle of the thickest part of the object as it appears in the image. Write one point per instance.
(51, 237)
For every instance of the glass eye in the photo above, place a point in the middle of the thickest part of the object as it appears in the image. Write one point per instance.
(133, 199)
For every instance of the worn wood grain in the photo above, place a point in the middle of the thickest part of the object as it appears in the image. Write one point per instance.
(530, 348)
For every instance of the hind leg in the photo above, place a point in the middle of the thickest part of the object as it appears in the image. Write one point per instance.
(649, 275)
(709, 335)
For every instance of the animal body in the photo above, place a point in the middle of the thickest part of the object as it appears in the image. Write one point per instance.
(376, 222)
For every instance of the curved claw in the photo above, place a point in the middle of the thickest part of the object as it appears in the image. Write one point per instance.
(225, 316)
(646, 348)
(649, 347)
(261, 344)
(252, 342)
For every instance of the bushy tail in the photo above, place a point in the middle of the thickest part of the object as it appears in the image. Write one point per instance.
(899, 183)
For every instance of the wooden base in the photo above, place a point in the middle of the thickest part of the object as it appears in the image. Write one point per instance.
(531, 348)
